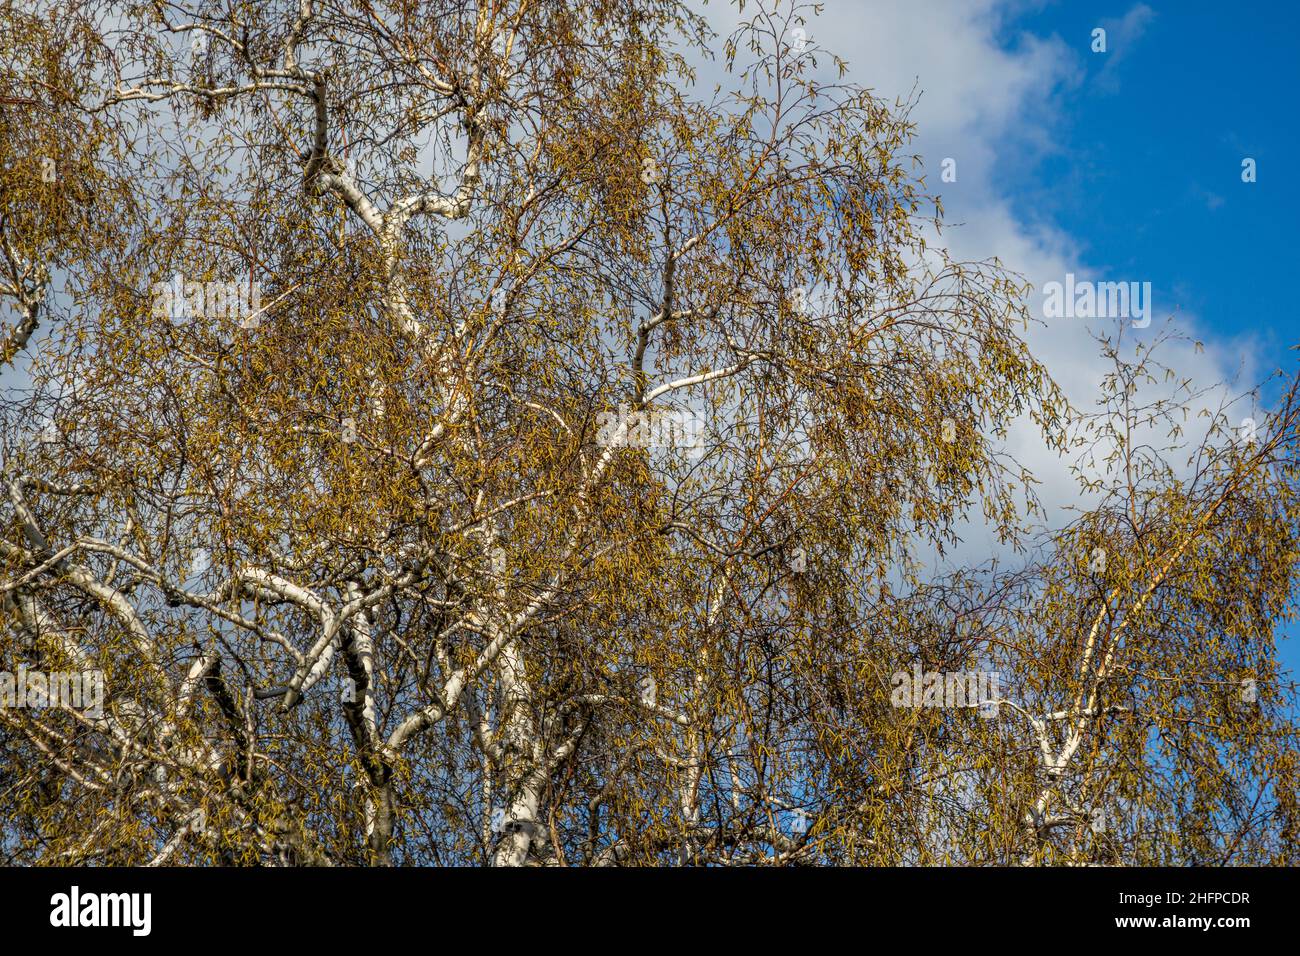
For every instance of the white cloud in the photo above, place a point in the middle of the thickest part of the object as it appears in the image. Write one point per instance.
(993, 105)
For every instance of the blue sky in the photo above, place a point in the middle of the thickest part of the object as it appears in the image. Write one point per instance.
(1147, 173)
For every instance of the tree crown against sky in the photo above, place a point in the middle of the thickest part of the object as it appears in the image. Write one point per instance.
(460, 437)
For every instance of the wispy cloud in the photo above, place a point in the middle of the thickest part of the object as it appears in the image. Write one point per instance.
(1122, 38)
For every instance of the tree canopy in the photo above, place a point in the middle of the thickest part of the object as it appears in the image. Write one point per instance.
(459, 435)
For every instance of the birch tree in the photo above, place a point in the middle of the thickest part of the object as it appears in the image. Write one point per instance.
(462, 437)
